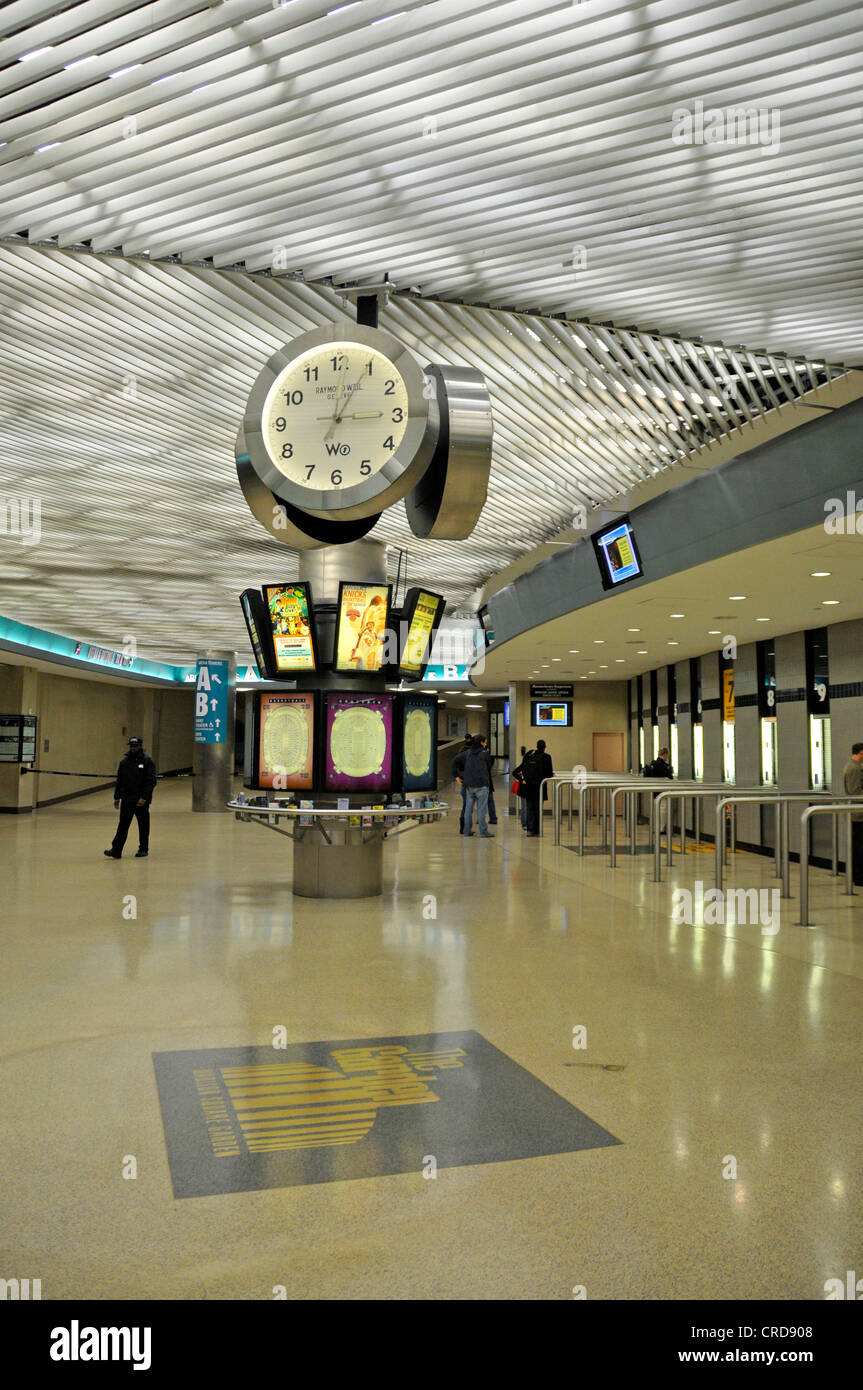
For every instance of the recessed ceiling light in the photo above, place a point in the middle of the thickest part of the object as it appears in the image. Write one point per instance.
(820, 574)
(603, 668)
(574, 651)
(557, 658)
(829, 601)
(714, 632)
(599, 641)
(591, 673)
(736, 598)
(633, 629)
(643, 653)
(620, 660)
(762, 620)
(672, 644)
(677, 615)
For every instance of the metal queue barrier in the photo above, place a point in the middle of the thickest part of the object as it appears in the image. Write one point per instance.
(782, 801)
(741, 793)
(836, 809)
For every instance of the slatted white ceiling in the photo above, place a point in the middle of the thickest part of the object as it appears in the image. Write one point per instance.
(498, 154)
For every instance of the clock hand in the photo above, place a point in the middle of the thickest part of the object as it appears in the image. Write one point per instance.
(357, 415)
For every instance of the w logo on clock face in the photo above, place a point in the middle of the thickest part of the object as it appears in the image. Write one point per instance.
(238, 1119)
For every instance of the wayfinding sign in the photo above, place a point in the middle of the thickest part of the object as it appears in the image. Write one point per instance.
(211, 700)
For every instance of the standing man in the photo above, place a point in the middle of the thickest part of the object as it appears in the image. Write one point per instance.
(456, 769)
(534, 770)
(854, 787)
(136, 779)
(472, 770)
(660, 766)
(492, 809)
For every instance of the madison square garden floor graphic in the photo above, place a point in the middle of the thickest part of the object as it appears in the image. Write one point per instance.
(242, 1119)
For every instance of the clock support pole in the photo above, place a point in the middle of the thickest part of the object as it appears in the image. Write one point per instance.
(341, 865)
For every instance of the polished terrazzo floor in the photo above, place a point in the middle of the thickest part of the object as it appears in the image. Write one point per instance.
(731, 1044)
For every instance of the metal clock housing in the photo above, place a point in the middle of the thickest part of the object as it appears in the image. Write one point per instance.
(340, 422)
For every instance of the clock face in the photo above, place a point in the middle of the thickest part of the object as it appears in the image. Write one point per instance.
(335, 416)
(341, 424)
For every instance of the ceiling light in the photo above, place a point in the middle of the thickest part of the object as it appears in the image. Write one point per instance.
(643, 653)
(121, 72)
(386, 17)
(820, 574)
(829, 602)
(574, 651)
(620, 660)
(762, 620)
(677, 615)
(633, 629)
(603, 668)
(736, 598)
(339, 8)
(37, 53)
(169, 75)
(672, 644)
(40, 149)
(78, 61)
(474, 706)
(557, 658)
(714, 632)
(599, 641)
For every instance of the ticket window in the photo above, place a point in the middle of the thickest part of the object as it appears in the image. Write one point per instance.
(674, 750)
(769, 768)
(698, 752)
(728, 769)
(819, 753)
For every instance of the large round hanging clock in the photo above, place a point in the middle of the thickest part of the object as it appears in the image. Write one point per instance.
(341, 423)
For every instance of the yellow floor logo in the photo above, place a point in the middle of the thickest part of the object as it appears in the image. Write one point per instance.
(240, 1119)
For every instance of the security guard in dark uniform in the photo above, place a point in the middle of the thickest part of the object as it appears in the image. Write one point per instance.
(136, 780)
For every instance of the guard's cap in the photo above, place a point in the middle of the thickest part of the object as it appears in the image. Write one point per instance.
(135, 742)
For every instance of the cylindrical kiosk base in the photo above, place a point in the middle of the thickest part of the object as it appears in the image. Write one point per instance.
(346, 868)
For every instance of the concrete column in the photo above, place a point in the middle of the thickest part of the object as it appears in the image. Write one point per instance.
(213, 763)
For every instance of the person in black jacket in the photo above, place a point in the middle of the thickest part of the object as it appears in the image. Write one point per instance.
(534, 769)
(133, 792)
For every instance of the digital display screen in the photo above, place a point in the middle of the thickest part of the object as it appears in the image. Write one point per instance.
(617, 554)
(547, 715)
(358, 742)
(419, 742)
(293, 627)
(423, 612)
(506, 714)
(286, 740)
(255, 614)
(361, 627)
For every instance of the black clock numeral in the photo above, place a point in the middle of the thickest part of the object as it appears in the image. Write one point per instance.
(280, 423)
(398, 415)
(310, 373)
(369, 365)
(336, 477)
(337, 361)
(366, 467)
(391, 386)
(292, 398)
(310, 468)
(287, 451)
(388, 443)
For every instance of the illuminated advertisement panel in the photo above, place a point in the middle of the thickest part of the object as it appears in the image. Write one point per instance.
(361, 625)
(292, 623)
(358, 742)
(423, 611)
(286, 740)
(419, 742)
(549, 716)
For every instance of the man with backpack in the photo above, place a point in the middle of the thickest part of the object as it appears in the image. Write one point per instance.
(535, 768)
(472, 770)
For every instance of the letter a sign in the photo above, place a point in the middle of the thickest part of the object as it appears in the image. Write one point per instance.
(211, 701)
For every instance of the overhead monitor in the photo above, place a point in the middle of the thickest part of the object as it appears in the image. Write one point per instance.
(421, 617)
(617, 553)
(292, 624)
(286, 740)
(258, 628)
(358, 742)
(418, 742)
(548, 715)
(361, 627)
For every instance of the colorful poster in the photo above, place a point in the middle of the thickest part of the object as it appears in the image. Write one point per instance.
(417, 643)
(293, 630)
(211, 701)
(286, 741)
(419, 742)
(359, 742)
(362, 622)
(728, 695)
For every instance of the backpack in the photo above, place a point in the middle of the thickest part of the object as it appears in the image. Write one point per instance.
(531, 770)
